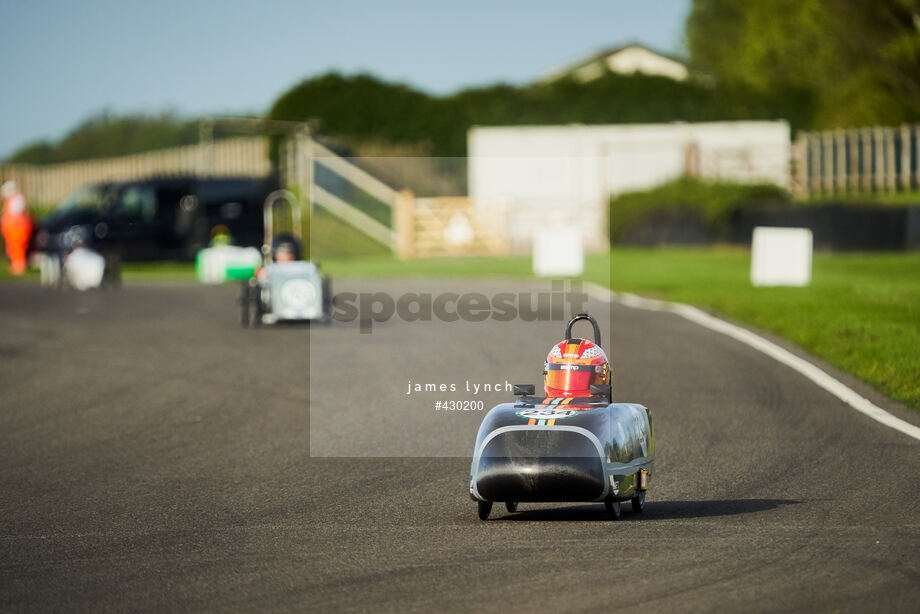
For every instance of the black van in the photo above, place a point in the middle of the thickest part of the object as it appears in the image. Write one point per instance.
(167, 218)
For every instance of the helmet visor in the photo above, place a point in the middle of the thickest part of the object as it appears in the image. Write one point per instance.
(569, 378)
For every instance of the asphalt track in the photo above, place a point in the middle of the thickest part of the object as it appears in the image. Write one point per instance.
(156, 456)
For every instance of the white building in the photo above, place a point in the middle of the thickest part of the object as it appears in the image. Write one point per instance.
(627, 59)
(548, 175)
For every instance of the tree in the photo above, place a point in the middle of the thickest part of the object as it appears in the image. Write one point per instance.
(847, 62)
(104, 135)
(362, 108)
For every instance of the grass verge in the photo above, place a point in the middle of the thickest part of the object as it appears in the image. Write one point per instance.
(861, 312)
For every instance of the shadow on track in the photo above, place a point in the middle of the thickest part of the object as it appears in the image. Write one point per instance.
(654, 510)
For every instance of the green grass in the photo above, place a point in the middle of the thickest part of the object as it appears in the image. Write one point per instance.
(330, 237)
(861, 312)
(158, 270)
(597, 267)
(389, 266)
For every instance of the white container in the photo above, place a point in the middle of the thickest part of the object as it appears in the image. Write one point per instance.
(781, 256)
(558, 252)
(215, 265)
(84, 269)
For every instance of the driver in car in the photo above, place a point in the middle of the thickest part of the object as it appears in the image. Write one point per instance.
(572, 366)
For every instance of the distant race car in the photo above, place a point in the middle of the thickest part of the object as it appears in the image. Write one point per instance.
(74, 265)
(571, 444)
(286, 288)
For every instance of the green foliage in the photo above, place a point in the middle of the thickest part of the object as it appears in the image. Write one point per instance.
(709, 202)
(357, 107)
(106, 135)
(39, 152)
(364, 109)
(846, 62)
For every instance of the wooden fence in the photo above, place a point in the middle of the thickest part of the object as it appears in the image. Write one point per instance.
(856, 161)
(448, 226)
(242, 156)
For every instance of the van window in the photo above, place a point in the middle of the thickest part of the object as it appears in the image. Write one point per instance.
(137, 202)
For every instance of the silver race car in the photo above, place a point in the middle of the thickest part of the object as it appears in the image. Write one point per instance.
(571, 444)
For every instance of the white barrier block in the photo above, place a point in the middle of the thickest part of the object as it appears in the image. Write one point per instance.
(215, 265)
(781, 256)
(84, 268)
(558, 252)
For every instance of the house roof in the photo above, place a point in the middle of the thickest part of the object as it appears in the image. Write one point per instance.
(570, 68)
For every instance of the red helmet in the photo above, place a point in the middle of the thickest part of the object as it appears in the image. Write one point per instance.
(572, 366)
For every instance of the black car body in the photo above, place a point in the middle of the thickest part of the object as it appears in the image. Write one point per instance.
(168, 218)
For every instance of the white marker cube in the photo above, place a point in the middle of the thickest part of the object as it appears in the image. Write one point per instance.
(558, 252)
(781, 256)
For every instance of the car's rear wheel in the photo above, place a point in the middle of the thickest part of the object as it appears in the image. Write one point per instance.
(638, 502)
(511, 506)
(257, 304)
(257, 320)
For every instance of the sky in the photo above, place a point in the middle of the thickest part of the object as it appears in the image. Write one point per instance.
(65, 61)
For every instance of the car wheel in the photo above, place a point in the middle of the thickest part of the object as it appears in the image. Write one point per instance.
(511, 506)
(257, 320)
(327, 300)
(244, 303)
(613, 509)
(257, 304)
(638, 502)
(485, 508)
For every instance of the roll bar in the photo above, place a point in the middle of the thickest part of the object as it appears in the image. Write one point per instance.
(268, 217)
(584, 316)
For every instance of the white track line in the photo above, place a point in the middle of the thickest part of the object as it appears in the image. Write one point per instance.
(819, 377)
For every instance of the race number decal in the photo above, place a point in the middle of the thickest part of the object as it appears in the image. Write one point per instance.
(548, 413)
